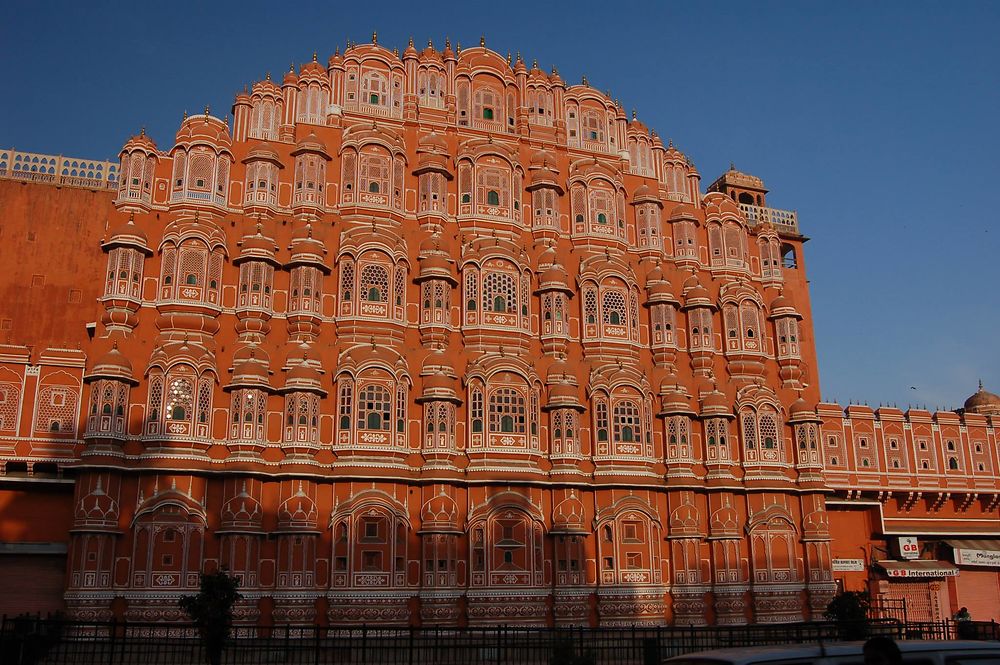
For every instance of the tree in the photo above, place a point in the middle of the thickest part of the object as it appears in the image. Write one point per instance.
(849, 609)
(212, 611)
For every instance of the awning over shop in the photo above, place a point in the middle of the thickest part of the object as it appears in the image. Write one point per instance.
(976, 552)
(918, 568)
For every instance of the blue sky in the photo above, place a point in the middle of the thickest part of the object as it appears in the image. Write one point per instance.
(878, 122)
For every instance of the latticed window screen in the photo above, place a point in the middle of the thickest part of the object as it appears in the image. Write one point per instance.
(627, 423)
(749, 422)
(374, 408)
(500, 293)
(346, 403)
(507, 411)
(601, 416)
(179, 399)
(375, 283)
(374, 174)
(613, 307)
(476, 409)
(768, 431)
(57, 409)
(590, 305)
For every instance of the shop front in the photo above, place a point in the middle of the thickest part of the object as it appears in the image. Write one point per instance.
(919, 583)
(977, 587)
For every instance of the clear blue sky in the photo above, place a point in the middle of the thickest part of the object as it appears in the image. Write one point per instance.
(878, 122)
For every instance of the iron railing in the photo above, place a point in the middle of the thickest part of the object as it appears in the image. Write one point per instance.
(30, 640)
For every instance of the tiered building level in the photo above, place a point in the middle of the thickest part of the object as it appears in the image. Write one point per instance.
(441, 339)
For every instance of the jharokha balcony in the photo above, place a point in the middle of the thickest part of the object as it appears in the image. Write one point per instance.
(784, 221)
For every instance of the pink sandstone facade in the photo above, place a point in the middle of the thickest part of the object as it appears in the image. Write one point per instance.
(440, 339)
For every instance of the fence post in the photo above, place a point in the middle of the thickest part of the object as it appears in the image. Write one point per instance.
(114, 632)
(364, 643)
(411, 646)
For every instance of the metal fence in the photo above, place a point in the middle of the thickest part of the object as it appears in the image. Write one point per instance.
(29, 641)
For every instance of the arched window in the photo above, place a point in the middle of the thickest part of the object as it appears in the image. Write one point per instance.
(627, 423)
(508, 413)
(375, 283)
(179, 399)
(374, 404)
(493, 197)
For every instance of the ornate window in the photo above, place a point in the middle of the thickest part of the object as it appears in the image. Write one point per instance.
(374, 174)
(248, 409)
(493, 191)
(508, 414)
(762, 437)
(700, 322)
(743, 326)
(124, 273)
(648, 225)
(432, 189)
(305, 290)
(310, 176)
(488, 104)
(10, 405)
(627, 434)
(565, 433)
(685, 245)
(374, 408)
(717, 441)
(627, 423)
(256, 278)
(264, 119)
(301, 418)
(788, 337)
(431, 88)
(662, 317)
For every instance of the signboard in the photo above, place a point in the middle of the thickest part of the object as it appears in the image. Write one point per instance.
(964, 557)
(922, 572)
(848, 565)
(908, 547)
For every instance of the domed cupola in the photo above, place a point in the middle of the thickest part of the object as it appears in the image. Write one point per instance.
(563, 389)
(715, 405)
(569, 517)
(261, 187)
(659, 289)
(127, 247)
(786, 323)
(202, 158)
(250, 369)
(257, 263)
(305, 293)
(309, 180)
(304, 373)
(674, 400)
(983, 402)
(110, 379)
(696, 295)
(139, 158)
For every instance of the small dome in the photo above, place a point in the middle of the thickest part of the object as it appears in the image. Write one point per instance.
(434, 141)
(311, 143)
(264, 151)
(714, 405)
(112, 365)
(128, 235)
(645, 194)
(696, 295)
(783, 306)
(554, 277)
(674, 400)
(542, 158)
(304, 377)
(799, 412)
(983, 402)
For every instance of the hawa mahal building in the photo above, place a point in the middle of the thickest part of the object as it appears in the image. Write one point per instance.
(440, 339)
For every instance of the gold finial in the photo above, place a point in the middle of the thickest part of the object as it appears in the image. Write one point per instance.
(411, 42)
(207, 109)
(131, 220)
(508, 57)
(633, 114)
(447, 43)
(482, 41)
(980, 385)
(267, 77)
(555, 72)
(430, 43)
(336, 51)
(732, 166)
(142, 131)
(518, 58)
(185, 114)
(585, 82)
(458, 48)
(534, 63)
(374, 346)
(314, 56)
(395, 51)
(374, 37)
